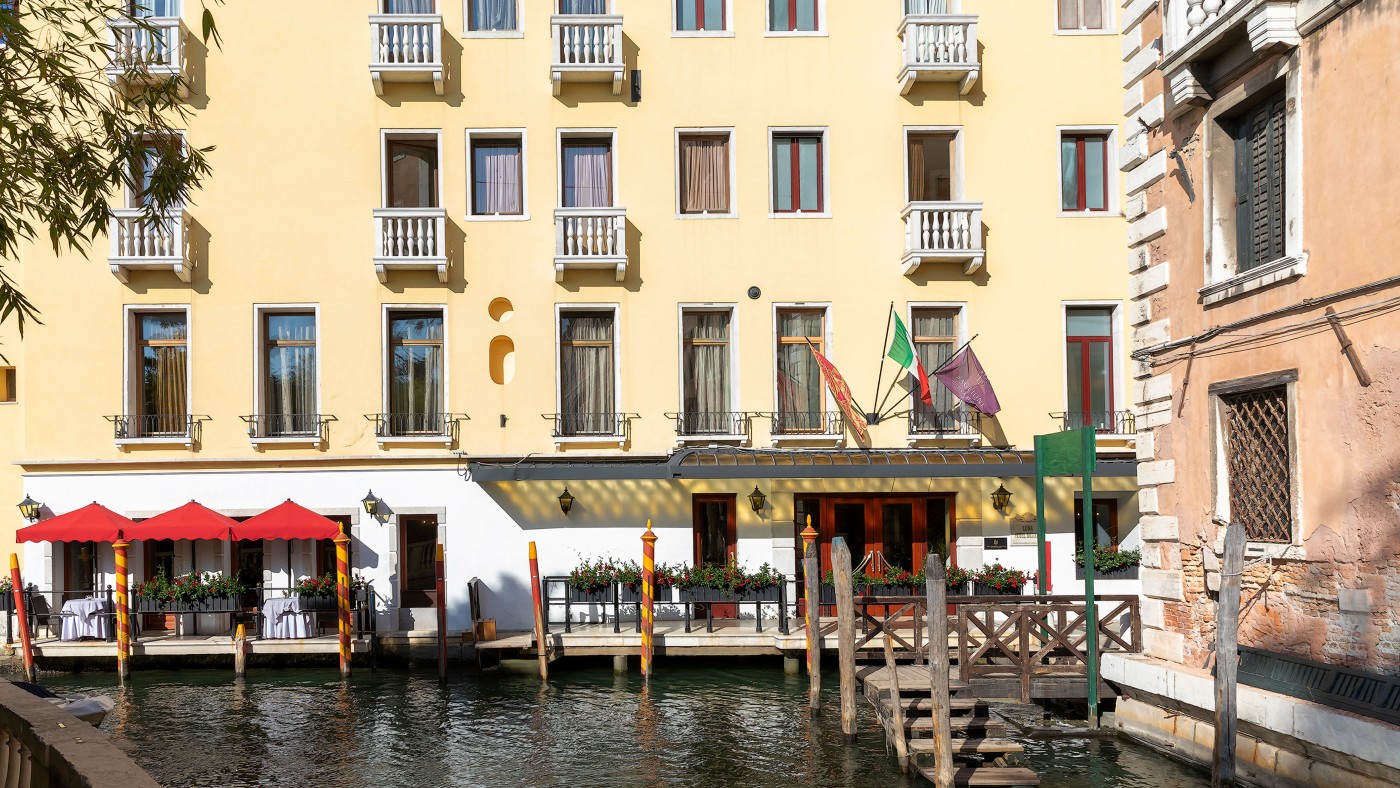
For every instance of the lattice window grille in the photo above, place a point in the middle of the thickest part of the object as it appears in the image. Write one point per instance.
(1257, 463)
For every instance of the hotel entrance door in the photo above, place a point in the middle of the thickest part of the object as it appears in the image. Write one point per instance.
(886, 531)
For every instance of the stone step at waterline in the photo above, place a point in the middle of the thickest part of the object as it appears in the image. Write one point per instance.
(969, 746)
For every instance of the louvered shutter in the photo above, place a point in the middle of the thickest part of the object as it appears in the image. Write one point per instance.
(1259, 185)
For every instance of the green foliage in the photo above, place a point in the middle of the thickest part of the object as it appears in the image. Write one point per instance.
(591, 577)
(1108, 559)
(1000, 578)
(188, 589)
(325, 585)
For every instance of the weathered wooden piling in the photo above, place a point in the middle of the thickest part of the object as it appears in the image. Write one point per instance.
(811, 568)
(845, 633)
(897, 731)
(539, 612)
(1227, 656)
(22, 614)
(937, 578)
(240, 652)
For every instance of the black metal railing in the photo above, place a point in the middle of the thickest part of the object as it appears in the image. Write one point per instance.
(584, 425)
(958, 421)
(808, 423)
(44, 607)
(1108, 422)
(286, 425)
(701, 423)
(556, 592)
(129, 426)
(416, 425)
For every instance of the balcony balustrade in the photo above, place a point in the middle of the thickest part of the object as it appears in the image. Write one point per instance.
(157, 428)
(151, 48)
(1104, 422)
(587, 48)
(606, 427)
(405, 48)
(808, 425)
(1200, 31)
(956, 422)
(590, 238)
(287, 428)
(410, 239)
(711, 426)
(938, 47)
(417, 427)
(943, 232)
(141, 241)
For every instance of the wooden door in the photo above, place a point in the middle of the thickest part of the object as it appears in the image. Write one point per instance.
(716, 538)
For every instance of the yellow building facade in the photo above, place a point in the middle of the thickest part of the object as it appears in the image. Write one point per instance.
(551, 226)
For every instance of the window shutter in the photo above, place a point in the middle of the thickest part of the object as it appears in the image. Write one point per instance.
(1260, 185)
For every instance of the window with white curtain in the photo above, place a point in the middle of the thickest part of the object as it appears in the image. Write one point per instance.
(162, 374)
(146, 9)
(587, 377)
(1081, 15)
(497, 15)
(407, 6)
(583, 6)
(935, 338)
(289, 396)
(498, 167)
(416, 375)
(586, 172)
(704, 169)
(801, 403)
(705, 372)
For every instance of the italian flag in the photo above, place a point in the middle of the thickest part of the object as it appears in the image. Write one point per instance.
(902, 351)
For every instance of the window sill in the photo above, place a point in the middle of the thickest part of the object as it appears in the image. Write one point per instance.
(702, 34)
(493, 34)
(497, 217)
(702, 216)
(1104, 32)
(705, 440)
(923, 438)
(795, 34)
(590, 440)
(1090, 214)
(180, 440)
(414, 440)
(799, 215)
(288, 440)
(834, 439)
(1258, 278)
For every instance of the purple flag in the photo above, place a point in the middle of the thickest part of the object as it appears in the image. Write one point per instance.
(963, 375)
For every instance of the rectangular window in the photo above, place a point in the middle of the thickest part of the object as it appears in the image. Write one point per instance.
(416, 375)
(935, 340)
(162, 349)
(1258, 463)
(932, 163)
(498, 177)
(1081, 15)
(1105, 523)
(587, 382)
(705, 365)
(289, 374)
(1260, 184)
(586, 172)
(410, 6)
(790, 16)
(412, 173)
(801, 402)
(80, 569)
(701, 15)
(704, 173)
(1089, 368)
(499, 15)
(9, 392)
(7, 9)
(146, 9)
(797, 173)
(583, 6)
(160, 557)
(1083, 172)
(418, 536)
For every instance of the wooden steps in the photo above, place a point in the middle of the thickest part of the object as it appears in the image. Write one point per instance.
(969, 747)
(989, 776)
(922, 707)
(959, 725)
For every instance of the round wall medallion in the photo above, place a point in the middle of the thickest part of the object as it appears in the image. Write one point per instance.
(754, 293)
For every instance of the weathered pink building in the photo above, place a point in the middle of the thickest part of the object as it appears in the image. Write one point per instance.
(1264, 186)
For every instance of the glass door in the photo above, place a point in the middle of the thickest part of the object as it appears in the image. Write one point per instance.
(716, 540)
(249, 571)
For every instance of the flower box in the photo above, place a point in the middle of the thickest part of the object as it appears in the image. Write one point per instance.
(705, 594)
(983, 589)
(580, 596)
(883, 590)
(1121, 573)
(153, 604)
(760, 595)
(317, 604)
(217, 604)
(7, 601)
(631, 595)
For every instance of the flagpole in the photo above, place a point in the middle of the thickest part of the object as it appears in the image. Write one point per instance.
(886, 414)
(854, 404)
(879, 376)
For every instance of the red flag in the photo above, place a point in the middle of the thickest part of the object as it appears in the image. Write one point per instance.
(964, 376)
(842, 393)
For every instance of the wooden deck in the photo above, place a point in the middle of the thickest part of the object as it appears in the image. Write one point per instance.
(190, 645)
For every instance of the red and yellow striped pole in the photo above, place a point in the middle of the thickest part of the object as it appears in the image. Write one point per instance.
(342, 594)
(30, 674)
(539, 612)
(119, 548)
(648, 608)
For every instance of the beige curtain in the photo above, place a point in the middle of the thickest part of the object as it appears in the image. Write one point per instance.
(942, 323)
(706, 372)
(918, 169)
(800, 402)
(586, 373)
(164, 373)
(704, 175)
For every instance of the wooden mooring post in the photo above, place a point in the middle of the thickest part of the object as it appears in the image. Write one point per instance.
(897, 732)
(31, 674)
(1227, 656)
(240, 652)
(845, 633)
(937, 578)
(811, 580)
(440, 576)
(539, 612)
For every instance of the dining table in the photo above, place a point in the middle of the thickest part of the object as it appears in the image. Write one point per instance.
(284, 619)
(84, 618)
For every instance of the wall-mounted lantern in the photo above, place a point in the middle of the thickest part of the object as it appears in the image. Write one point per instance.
(566, 502)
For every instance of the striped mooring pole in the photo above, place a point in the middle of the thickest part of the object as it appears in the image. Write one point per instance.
(119, 548)
(648, 610)
(342, 594)
(30, 674)
(538, 600)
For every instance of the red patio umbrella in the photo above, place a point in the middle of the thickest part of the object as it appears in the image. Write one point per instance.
(287, 520)
(191, 521)
(92, 523)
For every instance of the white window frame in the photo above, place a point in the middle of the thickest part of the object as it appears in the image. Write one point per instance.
(829, 323)
(1221, 265)
(1121, 360)
(962, 309)
(128, 195)
(498, 134)
(769, 32)
(518, 32)
(959, 192)
(563, 135)
(729, 308)
(437, 9)
(130, 337)
(727, 32)
(1111, 172)
(1295, 548)
(554, 9)
(825, 132)
(559, 311)
(713, 131)
(1110, 21)
(386, 311)
(408, 135)
(260, 313)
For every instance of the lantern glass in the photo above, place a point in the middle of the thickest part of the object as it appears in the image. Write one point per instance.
(29, 508)
(371, 504)
(566, 502)
(1001, 498)
(756, 499)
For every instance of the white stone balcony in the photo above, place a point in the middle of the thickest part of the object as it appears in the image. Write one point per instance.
(590, 239)
(405, 48)
(144, 243)
(943, 232)
(587, 48)
(937, 48)
(1198, 31)
(151, 49)
(410, 239)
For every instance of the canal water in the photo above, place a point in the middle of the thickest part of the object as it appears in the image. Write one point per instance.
(699, 724)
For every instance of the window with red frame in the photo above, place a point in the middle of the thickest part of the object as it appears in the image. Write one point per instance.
(792, 16)
(1089, 368)
(797, 173)
(701, 15)
(1084, 172)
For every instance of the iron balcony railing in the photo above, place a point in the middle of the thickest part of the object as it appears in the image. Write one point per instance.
(129, 426)
(285, 425)
(583, 425)
(808, 423)
(701, 423)
(1110, 422)
(958, 421)
(416, 425)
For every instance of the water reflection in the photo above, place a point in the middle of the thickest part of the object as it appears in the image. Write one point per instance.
(699, 725)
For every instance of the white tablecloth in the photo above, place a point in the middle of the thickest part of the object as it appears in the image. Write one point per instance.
(83, 618)
(283, 618)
